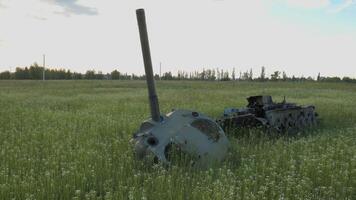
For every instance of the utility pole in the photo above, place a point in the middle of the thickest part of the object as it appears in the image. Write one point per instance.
(160, 68)
(44, 65)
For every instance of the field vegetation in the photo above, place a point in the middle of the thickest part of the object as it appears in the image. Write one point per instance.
(70, 140)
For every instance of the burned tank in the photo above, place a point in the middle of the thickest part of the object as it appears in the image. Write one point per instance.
(262, 112)
(197, 138)
(181, 134)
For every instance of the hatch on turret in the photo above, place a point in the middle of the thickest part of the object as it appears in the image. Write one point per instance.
(259, 101)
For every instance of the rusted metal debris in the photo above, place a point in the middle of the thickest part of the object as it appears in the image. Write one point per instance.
(197, 139)
(261, 111)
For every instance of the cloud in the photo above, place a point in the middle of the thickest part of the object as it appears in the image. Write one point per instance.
(329, 6)
(73, 7)
(308, 4)
(44, 9)
(346, 4)
(37, 17)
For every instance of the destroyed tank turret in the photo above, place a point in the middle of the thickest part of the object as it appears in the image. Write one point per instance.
(180, 133)
(261, 111)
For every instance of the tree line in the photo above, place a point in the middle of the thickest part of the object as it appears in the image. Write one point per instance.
(35, 72)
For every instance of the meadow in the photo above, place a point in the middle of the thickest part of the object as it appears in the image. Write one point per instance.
(70, 140)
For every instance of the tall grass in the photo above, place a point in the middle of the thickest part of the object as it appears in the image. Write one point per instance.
(69, 140)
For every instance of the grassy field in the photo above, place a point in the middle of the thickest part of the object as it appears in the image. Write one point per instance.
(70, 140)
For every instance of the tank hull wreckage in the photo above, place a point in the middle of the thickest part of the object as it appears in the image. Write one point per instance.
(261, 111)
(193, 135)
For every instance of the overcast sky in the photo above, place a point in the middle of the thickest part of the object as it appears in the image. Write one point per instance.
(301, 37)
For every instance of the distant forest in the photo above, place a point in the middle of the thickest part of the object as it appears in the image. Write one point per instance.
(35, 72)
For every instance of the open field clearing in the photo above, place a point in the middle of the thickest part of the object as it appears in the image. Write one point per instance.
(70, 140)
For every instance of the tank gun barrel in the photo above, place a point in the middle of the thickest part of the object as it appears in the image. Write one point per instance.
(153, 98)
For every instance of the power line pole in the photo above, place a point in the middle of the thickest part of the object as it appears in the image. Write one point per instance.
(160, 68)
(44, 65)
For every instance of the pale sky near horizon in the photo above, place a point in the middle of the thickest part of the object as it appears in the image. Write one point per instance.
(301, 37)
